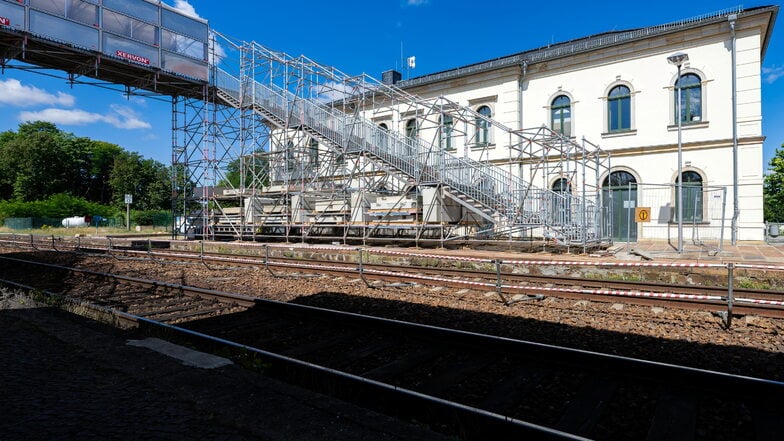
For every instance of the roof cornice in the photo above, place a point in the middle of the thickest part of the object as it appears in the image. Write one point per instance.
(594, 42)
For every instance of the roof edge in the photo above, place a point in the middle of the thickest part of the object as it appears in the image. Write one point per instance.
(586, 44)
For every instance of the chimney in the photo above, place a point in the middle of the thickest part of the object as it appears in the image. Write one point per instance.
(391, 77)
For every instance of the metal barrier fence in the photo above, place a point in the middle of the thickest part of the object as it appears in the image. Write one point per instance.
(774, 232)
(501, 285)
(29, 223)
(704, 214)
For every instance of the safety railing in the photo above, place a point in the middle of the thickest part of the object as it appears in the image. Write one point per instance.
(510, 199)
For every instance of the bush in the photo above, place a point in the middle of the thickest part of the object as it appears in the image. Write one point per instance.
(158, 218)
(56, 206)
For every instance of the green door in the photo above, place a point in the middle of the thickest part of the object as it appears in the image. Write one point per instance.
(619, 198)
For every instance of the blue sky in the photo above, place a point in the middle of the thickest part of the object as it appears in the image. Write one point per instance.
(365, 36)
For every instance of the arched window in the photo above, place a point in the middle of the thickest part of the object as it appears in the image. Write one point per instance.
(562, 185)
(562, 205)
(620, 179)
(561, 115)
(619, 109)
(382, 135)
(411, 129)
(692, 197)
(690, 87)
(447, 125)
(482, 126)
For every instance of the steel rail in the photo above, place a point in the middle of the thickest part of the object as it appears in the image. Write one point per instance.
(738, 387)
(239, 299)
(768, 303)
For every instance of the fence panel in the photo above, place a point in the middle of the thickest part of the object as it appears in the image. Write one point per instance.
(704, 211)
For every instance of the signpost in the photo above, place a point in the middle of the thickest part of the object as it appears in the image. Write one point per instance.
(128, 202)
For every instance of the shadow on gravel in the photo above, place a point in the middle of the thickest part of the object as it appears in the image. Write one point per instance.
(730, 359)
(724, 358)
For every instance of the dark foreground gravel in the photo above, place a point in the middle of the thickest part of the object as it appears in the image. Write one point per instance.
(63, 377)
(754, 346)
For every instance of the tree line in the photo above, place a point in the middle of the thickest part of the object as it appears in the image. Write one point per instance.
(40, 162)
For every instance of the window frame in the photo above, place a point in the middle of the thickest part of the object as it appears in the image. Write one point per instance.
(482, 128)
(411, 128)
(618, 101)
(446, 128)
(687, 90)
(559, 109)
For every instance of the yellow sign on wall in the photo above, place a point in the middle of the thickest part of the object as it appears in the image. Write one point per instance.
(642, 214)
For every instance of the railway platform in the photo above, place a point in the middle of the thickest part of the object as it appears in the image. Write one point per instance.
(66, 377)
(743, 252)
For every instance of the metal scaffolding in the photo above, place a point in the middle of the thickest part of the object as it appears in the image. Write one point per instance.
(270, 146)
(284, 147)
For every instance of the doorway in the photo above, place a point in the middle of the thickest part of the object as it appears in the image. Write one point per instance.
(619, 198)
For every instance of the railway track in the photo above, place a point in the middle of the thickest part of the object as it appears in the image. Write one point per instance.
(500, 277)
(473, 385)
(133, 296)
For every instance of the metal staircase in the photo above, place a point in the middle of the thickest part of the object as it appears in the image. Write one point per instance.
(488, 190)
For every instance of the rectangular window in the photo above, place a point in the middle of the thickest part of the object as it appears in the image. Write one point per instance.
(77, 10)
(137, 9)
(63, 30)
(54, 6)
(184, 25)
(185, 66)
(183, 45)
(129, 27)
(82, 12)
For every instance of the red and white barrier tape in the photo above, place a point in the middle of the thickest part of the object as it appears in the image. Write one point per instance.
(761, 302)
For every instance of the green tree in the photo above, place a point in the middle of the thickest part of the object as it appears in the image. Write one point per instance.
(36, 163)
(773, 188)
(101, 162)
(255, 167)
(40, 160)
(146, 179)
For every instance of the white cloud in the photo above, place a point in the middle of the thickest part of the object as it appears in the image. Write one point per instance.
(14, 93)
(121, 117)
(126, 118)
(771, 74)
(186, 8)
(217, 53)
(333, 91)
(417, 2)
(74, 117)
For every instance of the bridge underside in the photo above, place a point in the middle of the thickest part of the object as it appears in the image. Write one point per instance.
(89, 67)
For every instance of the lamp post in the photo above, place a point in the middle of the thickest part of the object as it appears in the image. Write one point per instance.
(678, 59)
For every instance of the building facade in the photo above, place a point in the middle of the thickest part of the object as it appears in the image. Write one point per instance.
(618, 90)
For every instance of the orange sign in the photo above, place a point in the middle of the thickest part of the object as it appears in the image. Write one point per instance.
(642, 214)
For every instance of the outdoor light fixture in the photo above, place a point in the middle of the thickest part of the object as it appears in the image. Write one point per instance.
(677, 59)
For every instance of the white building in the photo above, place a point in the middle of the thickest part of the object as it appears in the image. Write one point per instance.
(618, 90)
